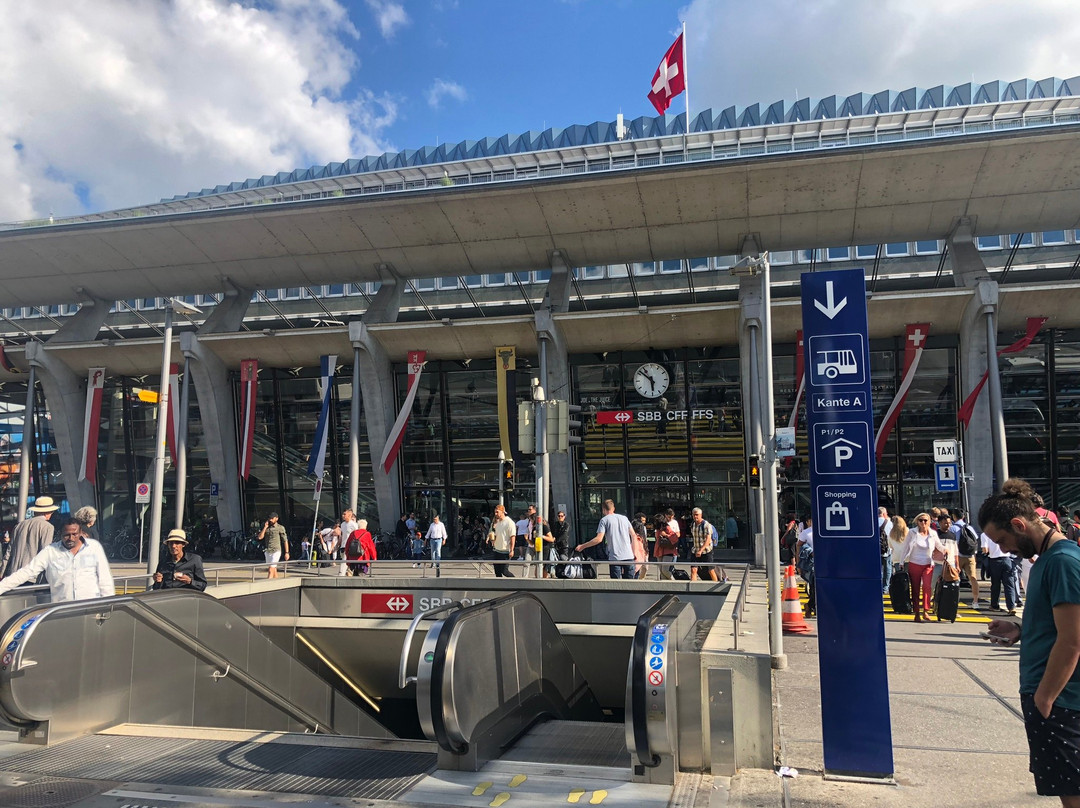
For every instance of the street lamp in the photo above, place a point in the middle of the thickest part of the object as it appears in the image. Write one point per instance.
(759, 265)
(180, 307)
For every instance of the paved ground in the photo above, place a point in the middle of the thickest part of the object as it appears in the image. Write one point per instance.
(958, 736)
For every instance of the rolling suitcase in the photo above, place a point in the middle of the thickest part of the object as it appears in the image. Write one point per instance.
(900, 592)
(948, 600)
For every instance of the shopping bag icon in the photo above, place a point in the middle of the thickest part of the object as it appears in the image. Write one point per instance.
(836, 517)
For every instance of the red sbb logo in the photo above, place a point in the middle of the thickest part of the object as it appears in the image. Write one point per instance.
(386, 603)
(614, 417)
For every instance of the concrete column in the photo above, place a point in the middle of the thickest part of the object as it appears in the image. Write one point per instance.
(65, 394)
(376, 379)
(214, 393)
(969, 271)
(556, 383)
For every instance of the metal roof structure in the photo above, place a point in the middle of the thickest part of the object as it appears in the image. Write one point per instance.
(779, 112)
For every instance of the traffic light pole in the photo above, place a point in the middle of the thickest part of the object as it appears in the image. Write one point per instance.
(502, 476)
(541, 473)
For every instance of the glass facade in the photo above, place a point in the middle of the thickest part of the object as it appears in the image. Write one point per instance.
(682, 447)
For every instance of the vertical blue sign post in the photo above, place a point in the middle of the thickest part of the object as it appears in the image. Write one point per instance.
(856, 728)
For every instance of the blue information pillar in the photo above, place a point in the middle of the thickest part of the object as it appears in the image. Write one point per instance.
(856, 728)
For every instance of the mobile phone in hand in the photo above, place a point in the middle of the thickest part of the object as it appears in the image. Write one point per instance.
(986, 635)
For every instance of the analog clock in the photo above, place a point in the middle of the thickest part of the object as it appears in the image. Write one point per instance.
(651, 380)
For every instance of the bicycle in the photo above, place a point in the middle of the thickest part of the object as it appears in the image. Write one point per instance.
(121, 545)
(390, 547)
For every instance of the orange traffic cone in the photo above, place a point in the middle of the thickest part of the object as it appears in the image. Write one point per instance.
(791, 611)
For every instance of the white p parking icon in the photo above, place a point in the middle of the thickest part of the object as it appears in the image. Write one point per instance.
(842, 453)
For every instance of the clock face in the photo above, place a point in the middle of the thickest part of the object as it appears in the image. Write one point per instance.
(651, 380)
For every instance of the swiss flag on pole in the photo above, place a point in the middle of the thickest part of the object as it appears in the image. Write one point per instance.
(670, 77)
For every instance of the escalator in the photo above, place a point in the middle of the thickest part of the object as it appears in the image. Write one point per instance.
(497, 682)
(173, 657)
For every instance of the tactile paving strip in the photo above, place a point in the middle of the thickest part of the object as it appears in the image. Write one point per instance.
(275, 767)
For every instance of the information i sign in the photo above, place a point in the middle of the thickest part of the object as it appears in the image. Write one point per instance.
(856, 727)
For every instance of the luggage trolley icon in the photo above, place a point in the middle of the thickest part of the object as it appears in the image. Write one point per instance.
(836, 363)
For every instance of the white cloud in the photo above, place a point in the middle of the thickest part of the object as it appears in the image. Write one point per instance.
(745, 53)
(389, 15)
(445, 89)
(121, 102)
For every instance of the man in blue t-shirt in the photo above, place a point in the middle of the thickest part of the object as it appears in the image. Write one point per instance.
(1049, 678)
(620, 536)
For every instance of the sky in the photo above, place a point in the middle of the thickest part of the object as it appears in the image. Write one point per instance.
(114, 103)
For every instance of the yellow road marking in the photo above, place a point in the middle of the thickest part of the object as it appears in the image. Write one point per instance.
(481, 788)
(517, 780)
(575, 795)
(500, 798)
(598, 797)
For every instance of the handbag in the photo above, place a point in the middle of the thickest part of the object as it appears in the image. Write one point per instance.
(573, 568)
(949, 573)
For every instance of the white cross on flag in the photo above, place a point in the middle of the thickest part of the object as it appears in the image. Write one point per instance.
(914, 344)
(670, 77)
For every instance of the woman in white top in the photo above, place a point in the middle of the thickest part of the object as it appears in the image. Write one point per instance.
(917, 551)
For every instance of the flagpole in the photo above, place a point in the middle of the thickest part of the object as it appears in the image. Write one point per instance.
(686, 93)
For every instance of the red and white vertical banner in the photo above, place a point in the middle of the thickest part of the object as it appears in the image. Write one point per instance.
(800, 379)
(914, 344)
(249, 388)
(172, 419)
(967, 409)
(397, 432)
(95, 388)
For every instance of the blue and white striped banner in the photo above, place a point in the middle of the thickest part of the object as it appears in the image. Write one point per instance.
(318, 449)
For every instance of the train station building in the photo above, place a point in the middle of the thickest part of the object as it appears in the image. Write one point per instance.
(595, 259)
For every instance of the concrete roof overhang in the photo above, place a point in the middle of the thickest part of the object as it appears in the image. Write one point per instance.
(1005, 182)
(585, 332)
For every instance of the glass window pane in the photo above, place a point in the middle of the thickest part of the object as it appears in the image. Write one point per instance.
(866, 251)
(988, 242)
(837, 253)
(896, 248)
(1053, 237)
(926, 247)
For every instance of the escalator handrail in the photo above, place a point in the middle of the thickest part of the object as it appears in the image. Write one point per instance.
(136, 606)
(438, 664)
(406, 646)
(638, 689)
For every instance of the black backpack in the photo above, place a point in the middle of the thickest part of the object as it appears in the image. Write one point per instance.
(883, 538)
(967, 543)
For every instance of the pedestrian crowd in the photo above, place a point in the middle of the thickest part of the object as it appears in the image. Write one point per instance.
(926, 560)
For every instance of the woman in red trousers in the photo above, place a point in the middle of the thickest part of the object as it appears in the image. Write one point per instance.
(918, 551)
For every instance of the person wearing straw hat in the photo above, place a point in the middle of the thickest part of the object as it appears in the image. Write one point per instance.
(32, 535)
(180, 569)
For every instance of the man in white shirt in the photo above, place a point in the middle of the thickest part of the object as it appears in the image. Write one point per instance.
(75, 567)
(342, 533)
(501, 538)
(1001, 571)
(436, 535)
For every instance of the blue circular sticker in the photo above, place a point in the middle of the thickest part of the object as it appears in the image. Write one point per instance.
(11, 646)
(28, 623)
(656, 663)
(656, 649)
(656, 638)
(19, 634)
